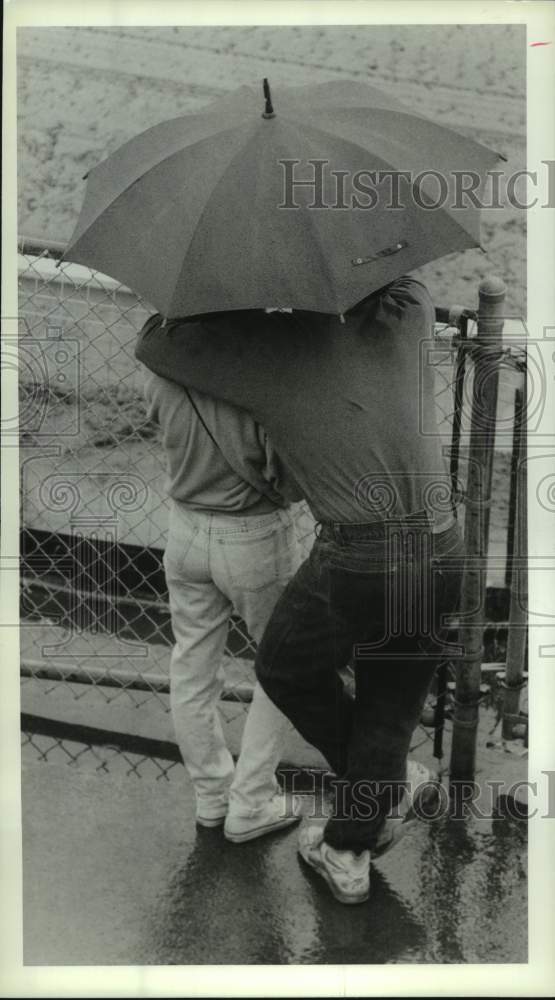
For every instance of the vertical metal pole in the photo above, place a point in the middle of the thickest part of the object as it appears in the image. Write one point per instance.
(488, 343)
(439, 711)
(460, 370)
(516, 644)
(442, 672)
(515, 460)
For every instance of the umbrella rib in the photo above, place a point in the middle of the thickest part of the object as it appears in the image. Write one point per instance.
(378, 160)
(443, 129)
(324, 263)
(154, 166)
(229, 163)
(320, 132)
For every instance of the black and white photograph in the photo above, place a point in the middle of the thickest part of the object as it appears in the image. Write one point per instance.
(279, 433)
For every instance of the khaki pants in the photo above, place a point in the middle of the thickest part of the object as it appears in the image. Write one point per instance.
(216, 564)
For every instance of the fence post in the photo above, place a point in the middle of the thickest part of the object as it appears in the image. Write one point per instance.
(516, 642)
(513, 488)
(486, 348)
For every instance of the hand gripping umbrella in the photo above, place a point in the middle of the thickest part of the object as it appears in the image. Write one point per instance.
(310, 202)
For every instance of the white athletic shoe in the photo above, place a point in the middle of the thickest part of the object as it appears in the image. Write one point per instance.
(347, 874)
(280, 811)
(211, 821)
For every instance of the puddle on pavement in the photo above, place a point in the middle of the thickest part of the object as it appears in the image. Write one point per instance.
(454, 891)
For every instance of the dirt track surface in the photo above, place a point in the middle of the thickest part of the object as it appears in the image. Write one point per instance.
(83, 91)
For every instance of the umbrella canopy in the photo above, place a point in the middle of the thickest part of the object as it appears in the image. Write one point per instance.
(208, 212)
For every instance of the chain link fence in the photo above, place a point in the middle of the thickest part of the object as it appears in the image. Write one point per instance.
(95, 622)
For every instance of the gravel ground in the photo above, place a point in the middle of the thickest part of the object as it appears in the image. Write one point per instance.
(83, 91)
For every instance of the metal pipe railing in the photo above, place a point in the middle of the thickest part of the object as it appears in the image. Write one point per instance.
(118, 677)
(516, 644)
(31, 246)
(486, 354)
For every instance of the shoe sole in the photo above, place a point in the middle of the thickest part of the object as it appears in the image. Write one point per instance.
(260, 831)
(336, 893)
(210, 822)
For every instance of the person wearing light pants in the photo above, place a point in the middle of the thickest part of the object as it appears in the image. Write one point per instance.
(232, 547)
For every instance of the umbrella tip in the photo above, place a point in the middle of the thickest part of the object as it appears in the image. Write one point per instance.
(268, 108)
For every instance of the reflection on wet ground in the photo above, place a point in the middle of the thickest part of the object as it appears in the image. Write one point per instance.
(450, 894)
(117, 872)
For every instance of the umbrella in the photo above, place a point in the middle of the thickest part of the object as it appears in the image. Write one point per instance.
(286, 202)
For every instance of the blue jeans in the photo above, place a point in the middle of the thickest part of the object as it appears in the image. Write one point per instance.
(379, 596)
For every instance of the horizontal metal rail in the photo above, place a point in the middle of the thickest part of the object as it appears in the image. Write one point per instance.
(154, 683)
(292, 778)
(35, 247)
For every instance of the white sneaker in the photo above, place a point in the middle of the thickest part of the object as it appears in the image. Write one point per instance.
(280, 811)
(347, 874)
(211, 821)
(420, 789)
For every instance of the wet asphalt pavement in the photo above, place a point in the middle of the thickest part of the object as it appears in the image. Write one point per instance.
(116, 872)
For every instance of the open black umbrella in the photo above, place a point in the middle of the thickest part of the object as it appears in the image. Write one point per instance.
(295, 203)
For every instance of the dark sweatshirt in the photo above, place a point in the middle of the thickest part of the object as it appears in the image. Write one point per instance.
(349, 406)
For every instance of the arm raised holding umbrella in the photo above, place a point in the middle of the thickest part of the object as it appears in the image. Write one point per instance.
(292, 206)
(343, 403)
